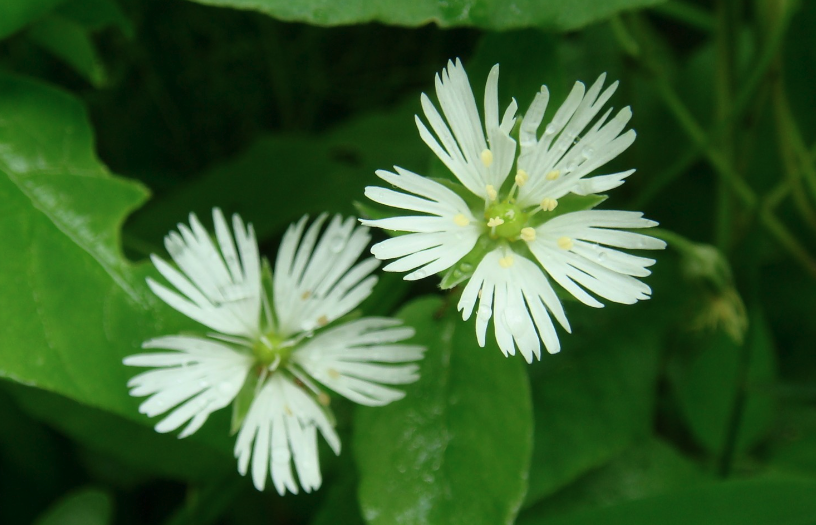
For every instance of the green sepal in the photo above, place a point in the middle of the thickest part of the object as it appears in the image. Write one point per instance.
(242, 402)
(464, 269)
(267, 283)
(567, 204)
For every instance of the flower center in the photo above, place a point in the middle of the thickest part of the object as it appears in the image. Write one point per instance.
(505, 219)
(271, 348)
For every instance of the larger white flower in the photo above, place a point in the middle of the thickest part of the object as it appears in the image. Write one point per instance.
(501, 227)
(271, 356)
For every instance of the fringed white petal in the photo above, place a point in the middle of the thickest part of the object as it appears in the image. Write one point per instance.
(475, 160)
(569, 247)
(439, 239)
(356, 359)
(566, 149)
(197, 378)
(218, 286)
(521, 298)
(316, 279)
(279, 429)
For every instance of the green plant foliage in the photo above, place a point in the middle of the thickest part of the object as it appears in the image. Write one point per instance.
(487, 14)
(71, 42)
(64, 271)
(648, 468)
(758, 502)
(118, 118)
(16, 14)
(711, 379)
(464, 428)
(336, 166)
(135, 445)
(83, 507)
(591, 401)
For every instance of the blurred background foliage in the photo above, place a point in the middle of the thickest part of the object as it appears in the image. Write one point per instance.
(698, 406)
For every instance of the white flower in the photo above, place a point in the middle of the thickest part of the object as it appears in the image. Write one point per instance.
(274, 349)
(500, 228)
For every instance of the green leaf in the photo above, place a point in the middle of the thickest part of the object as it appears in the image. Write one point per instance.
(754, 502)
(84, 507)
(340, 506)
(706, 381)
(72, 306)
(595, 397)
(134, 445)
(96, 14)
(456, 450)
(16, 14)
(487, 14)
(648, 468)
(70, 42)
(794, 446)
(281, 177)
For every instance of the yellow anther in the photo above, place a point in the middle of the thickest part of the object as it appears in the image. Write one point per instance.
(334, 374)
(487, 158)
(495, 221)
(322, 320)
(554, 174)
(305, 295)
(521, 178)
(461, 220)
(287, 410)
(565, 243)
(528, 234)
(491, 192)
(323, 399)
(548, 204)
(506, 261)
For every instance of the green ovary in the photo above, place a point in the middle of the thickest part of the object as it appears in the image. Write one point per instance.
(510, 216)
(271, 347)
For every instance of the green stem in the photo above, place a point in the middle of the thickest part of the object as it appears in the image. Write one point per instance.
(698, 136)
(724, 170)
(762, 63)
(207, 504)
(727, 24)
(689, 14)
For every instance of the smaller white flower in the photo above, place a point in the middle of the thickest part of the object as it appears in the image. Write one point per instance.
(273, 349)
(500, 224)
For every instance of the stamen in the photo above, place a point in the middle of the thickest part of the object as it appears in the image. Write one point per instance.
(322, 320)
(306, 295)
(334, 374)
(528, 234)
(491, 192)
(495, 221)
(324, 399)
(554, 174)
(487, 158)
(287, 410)
(521, 178)
(548, 204)
(506, 261)
(461, 220)
(565, 243)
